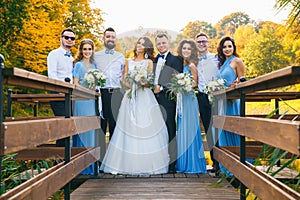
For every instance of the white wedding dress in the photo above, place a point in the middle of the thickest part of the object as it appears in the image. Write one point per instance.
(139, 145)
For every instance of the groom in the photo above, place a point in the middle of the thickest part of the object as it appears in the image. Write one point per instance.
(166, 64)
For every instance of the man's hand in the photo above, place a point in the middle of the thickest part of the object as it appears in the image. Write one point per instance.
(157, 89)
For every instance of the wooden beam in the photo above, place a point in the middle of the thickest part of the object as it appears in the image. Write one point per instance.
(260, 183)
(279, 78)
(277, 116)
(268, 96)
(43, 153)
(282, 134)
(19, 135)
(23, 78)
(50, 181)
(251, 151)
(43, 98)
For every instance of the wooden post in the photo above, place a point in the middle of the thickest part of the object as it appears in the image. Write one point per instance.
(242, 143)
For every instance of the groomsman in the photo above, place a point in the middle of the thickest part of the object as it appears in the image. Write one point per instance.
(207, 70)
(166, 65)
(59, 67)
(111, 64)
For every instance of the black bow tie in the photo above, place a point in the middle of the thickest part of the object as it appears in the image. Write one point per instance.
(160, 56)
(69, 54)
(109, 51)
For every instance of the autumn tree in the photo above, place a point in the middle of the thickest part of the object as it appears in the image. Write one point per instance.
(228, 24)
(264, 53)
(193, 28)
(40, 34)
(85, 20)
(12, 13)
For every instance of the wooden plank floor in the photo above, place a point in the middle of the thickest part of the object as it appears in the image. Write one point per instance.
(166, 186)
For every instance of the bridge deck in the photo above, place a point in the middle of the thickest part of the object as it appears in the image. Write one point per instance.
(166, 186)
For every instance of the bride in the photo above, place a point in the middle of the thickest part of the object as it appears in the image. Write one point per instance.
(139, 145)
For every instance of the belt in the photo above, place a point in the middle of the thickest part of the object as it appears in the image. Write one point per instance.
(110, 90)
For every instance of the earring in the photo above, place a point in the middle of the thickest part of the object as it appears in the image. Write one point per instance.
(146, 55)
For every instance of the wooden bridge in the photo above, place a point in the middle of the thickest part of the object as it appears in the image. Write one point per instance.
(27, 136)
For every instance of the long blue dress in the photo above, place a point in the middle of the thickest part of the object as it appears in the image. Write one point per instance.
(228, 107)
(231, 107)
(191, 157)
(84, 108)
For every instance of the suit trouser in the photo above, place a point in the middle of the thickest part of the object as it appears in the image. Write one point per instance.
(168, 108)
(59, 109)
(205, 115)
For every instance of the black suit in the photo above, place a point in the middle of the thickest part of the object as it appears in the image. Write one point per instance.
(172, 66)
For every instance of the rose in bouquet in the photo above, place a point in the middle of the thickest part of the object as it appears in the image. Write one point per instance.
(94, 78)
(139, 77)
(214, 85)
(181, 83)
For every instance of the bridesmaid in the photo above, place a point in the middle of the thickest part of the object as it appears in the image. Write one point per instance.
(232, 69)
(191, 157)
(84, 61)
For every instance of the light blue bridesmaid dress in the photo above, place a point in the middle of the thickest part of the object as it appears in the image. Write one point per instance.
(191, 157)
(231, 107)
(84, 108)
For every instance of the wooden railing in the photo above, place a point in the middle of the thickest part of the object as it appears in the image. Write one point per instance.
(27, 136)
(283, 134)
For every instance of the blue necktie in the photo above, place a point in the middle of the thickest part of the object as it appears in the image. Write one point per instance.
(109, 51)
(69, 54)
(160, 56)
(202, 57)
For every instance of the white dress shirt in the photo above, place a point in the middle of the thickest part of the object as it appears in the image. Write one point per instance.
(207, 70)
(160, 63)
(59, 66)
(112, 66)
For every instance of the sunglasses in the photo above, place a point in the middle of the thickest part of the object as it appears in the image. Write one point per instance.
(68, 37)
(84, 49)
(202, 41)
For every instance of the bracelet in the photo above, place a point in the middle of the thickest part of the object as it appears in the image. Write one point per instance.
(243, 79)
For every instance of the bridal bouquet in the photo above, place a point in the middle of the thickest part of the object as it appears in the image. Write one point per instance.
(181, 83)
(139, 77)
(214, 85)
(94, 78)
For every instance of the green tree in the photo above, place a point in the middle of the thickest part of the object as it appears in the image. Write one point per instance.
(264, 53)
(294, 15)
(86, 21)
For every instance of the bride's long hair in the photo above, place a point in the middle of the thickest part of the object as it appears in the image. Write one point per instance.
(149, 48)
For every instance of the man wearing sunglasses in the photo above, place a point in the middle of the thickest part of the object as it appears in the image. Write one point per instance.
(59, 67)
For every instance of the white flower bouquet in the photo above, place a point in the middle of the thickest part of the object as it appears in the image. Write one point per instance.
(94, 78)
(181, 83)
(139, 77)
(214, 85)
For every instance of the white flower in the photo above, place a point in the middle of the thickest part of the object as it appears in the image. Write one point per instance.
(214, 85)
(94, 78)
(181, 83)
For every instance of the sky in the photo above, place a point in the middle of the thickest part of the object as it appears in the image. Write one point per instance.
(128, 15)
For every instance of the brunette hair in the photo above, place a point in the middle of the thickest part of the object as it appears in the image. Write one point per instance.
(194, 56)
(221, 55)
(149, 49)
